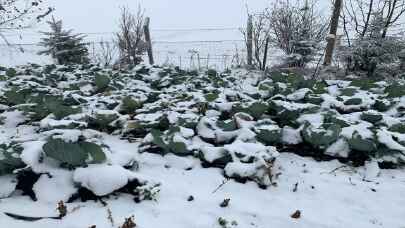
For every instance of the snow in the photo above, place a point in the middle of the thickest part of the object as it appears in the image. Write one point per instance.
(245, 134)
(172, 161)
(291, 136)
(13, 119)
(106, 112)
(249, 149)
(87, 89)
(149, 117)
(102, 179)
(320, 190)
(389, 121)
(293, 106)
(385, 138)
(186, 132)
(7, 186)
(225, 136)
(72, 135)
(298, 95)
(204, 130)
(340, 149)
(67, 135)
(325, 199)
(55, 188)
(225, 106)
(315, 120)
(372, 171)
(212, 153)
(122, 153)
(244, 121)
(178, 138)
(241, 169)
(274, 127)
(212, 113)
(31, 155)
(51, 123)
(361, 128)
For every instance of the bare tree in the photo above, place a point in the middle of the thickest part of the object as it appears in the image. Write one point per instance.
(21, 14)
(296, 27)
(345, 22)
(260, 32)
(295, 21)
(393, 10)
(130, 37)
(359, 14)
(238, 59)
(106, 53)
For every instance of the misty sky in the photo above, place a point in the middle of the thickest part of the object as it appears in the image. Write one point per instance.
(101, 15)
(95, 16)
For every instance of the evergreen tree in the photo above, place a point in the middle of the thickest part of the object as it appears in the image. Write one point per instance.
(63, 46)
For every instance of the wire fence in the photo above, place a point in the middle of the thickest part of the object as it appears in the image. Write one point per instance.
(184, 51)
(219, 55)
(171, 46)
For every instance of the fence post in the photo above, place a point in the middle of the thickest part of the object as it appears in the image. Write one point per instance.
(266, 49)
(249, 41)
(148, 40)
(331, 38)
(199, 61)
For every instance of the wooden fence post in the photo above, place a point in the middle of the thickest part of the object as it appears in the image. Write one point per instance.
(266, 49)
(331, 38)
(249, 41)
(148, 40)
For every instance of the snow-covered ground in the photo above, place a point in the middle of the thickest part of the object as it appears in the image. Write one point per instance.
(328, 195)
(168, 118)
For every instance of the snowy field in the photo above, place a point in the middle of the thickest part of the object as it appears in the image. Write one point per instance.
(149, 160)
(326, 198)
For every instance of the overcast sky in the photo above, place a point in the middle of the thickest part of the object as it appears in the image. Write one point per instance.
(101, 15)
(95, 16)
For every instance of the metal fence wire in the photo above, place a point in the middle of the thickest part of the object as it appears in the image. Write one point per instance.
(187, 53)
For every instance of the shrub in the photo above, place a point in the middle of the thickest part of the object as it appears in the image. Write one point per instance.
(369, 56)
